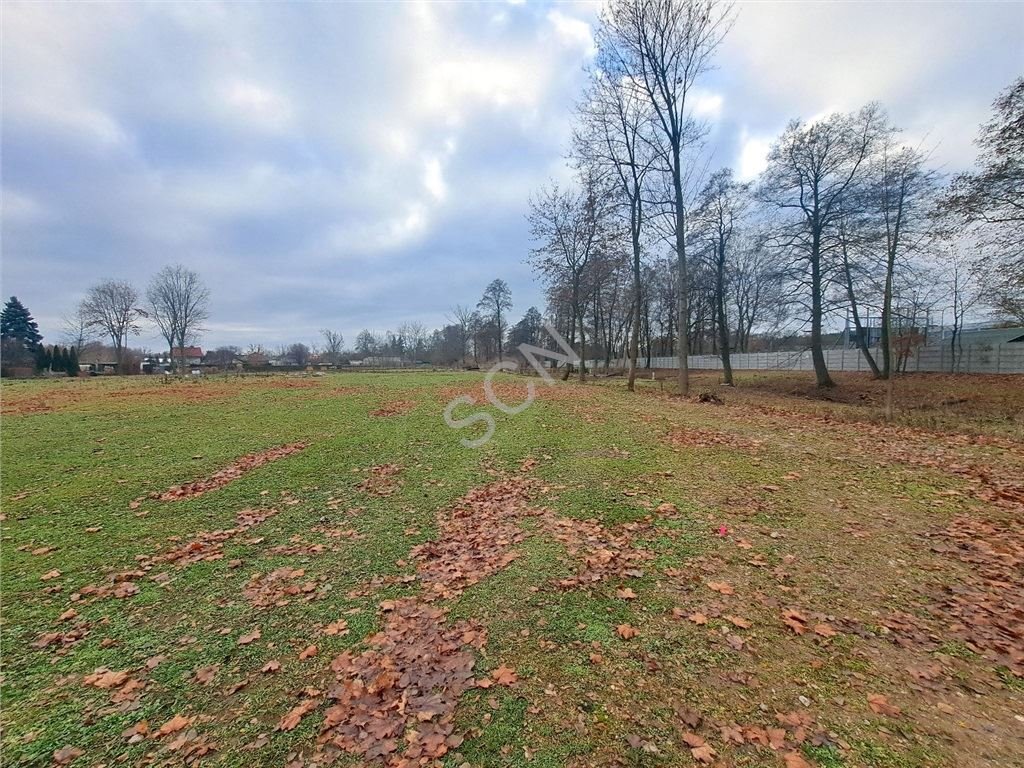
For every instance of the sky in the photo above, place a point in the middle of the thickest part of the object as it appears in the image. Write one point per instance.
(360, 165)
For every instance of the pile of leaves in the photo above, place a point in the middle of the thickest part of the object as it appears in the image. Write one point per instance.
(603, 553)
(395, 701)
(208, 545)
(988, 607)
(230, 473)
(381, 480)
(475, 537)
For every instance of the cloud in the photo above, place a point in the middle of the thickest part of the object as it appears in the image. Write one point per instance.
(351, 165)
(753, 155)
(572, 32)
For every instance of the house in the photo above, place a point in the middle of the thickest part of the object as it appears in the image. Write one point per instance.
(193, 355)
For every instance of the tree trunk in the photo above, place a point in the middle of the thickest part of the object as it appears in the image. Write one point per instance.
(862, 342)
(583, 345)
(683, 287)
(887, 367)
(817, 354)
(723, 326)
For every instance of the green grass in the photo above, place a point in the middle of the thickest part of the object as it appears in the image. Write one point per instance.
(106, 443)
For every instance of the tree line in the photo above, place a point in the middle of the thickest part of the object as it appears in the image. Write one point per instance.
(651, 250)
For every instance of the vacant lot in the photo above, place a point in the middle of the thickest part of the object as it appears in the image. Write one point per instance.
(294, 571)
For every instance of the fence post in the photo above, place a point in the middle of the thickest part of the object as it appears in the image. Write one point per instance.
(999, 355)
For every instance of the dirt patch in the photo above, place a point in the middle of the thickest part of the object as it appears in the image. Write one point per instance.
(394, 408)
(229, 474)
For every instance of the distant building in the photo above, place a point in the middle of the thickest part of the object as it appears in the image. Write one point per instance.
(193, 355)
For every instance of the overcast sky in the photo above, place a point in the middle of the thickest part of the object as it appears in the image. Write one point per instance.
(352, 165)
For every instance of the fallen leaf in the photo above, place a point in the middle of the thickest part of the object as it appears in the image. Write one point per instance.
(271, 666)
(626, 593)
(795, 760)
(250, 637)
(723, 587)
(825, 630)
(698, 618)
(174, 725)
(626, 631)
(308, 653)
(205, 675)
(880, 705)
(504, 675)
(65, 755)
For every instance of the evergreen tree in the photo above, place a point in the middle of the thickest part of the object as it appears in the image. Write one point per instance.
(42, 358)
(72, 368)
(16, 324)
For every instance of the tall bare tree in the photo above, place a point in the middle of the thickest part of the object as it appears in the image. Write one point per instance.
(720, 206)
(112, 308)
(333, 344)
(570, 227)
(76, 330)
(812, 170)
(462, 318)
(901, 195)
(665, 46)
(496, 299)
(990, 201)
(178, 304)
(613, 135)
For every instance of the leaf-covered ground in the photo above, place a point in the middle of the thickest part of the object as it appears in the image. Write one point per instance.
(309, 571)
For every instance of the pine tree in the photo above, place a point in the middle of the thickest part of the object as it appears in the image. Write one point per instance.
(16, 324)
(72, 368)
(42, 358)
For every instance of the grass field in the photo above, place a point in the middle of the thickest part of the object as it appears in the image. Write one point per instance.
(614, 579)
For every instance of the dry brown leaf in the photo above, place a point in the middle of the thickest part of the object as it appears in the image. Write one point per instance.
(174, 725)
(504, 675)
(880, 705)
(626, 631)
(250, 637)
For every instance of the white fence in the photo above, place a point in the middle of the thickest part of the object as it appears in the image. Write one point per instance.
(995, 358)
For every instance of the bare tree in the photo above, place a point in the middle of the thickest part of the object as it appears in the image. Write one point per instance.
(178, 304)
(902, 192)
(990, 201)
(720, 206)
(496, 299)
(613, 136)
(462, 318)
(811, 172)
(112, 308)
(570, 226)
(333, 345)
(76, 330)
(665, 46)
